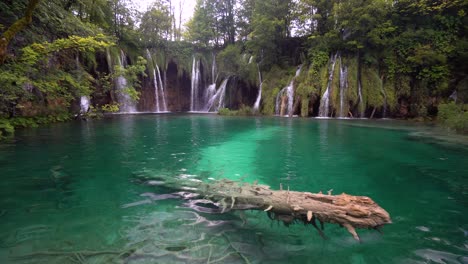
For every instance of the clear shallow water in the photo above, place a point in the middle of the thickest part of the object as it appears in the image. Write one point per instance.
(74, 188)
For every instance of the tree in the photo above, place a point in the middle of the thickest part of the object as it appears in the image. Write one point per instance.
(19, 25)
(271, 23)
(156, 23)
(200, 26)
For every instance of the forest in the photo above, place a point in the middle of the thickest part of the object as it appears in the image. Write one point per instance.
(311, 58)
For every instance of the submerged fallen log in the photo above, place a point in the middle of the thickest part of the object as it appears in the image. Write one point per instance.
(286, 206)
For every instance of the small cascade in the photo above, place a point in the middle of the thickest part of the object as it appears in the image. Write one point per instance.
(287, 91)
(211, 89)
(161, 89)
(343, 88)
(259, 96)
(84, 104)
(216, 102)
(127, 104)
(324, 108)
(361, 102)
(159, 94)
(196, 76)
(279, 98)
(209, 93)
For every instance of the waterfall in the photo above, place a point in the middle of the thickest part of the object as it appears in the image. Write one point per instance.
(127, 104)
(289, 90)
(259, 96)
(161, 89)
(361, 102)
(278, 101)
(324, 108)
(84, 104)
(343, 87)
(216, 102)
(194, 98)
(159, 94)
(211, 89)
(209, 93)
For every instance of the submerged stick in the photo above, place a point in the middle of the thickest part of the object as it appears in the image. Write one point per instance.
(290, 207)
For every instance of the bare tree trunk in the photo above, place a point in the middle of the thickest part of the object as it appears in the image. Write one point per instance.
(19, 25)
(286, 206)
(181, 3)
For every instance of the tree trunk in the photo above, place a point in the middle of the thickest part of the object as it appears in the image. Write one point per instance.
(19, 25)
(286, 206)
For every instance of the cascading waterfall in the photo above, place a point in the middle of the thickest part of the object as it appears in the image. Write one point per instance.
(84, 104)
(159, 94)
(84, 99)
(278, 101)
(127, 104)
(361, 102)
(161, 89)
(211, 89)
(196, 76)
(259, 96)
(343, 87)
(324, 108)
(289, 90)
(216, 102)
(209, 93)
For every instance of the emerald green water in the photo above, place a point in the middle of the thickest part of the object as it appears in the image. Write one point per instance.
(75, 187)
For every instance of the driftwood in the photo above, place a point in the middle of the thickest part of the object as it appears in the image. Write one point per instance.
(286, 206)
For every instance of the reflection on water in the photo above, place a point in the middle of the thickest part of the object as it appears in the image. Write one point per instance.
(71, 193)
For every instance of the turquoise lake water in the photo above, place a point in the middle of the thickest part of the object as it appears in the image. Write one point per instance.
(72, 192)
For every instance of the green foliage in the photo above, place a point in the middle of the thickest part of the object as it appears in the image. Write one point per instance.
(273, 81)
(372, 88)
(233, 63)
(110, 108)
(7, 126)
(132, 74)
(6, 129)
(156, 23)
(454, 116)
(243, 111)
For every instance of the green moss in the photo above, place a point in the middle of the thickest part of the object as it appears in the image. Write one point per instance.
(371, 87)
(304, 106)
(392, 99)
(352, 93)
(273, 81)
(335, 88)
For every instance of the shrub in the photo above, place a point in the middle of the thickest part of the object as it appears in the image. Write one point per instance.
(6, 129)
(454, 116)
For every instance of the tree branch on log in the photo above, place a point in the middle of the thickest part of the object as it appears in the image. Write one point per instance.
(19, 25)
(286, 206)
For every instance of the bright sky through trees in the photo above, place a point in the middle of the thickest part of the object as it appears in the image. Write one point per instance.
(187, 8)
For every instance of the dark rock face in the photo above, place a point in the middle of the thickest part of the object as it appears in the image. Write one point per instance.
(176, 87)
